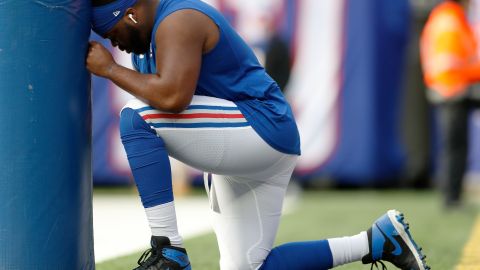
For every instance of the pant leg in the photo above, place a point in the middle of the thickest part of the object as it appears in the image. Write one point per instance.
(453, 124)
(246, 212)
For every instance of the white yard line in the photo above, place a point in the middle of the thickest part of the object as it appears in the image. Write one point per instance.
(120, 226)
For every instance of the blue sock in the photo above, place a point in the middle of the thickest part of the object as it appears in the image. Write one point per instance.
(300, 256)
(148, 159)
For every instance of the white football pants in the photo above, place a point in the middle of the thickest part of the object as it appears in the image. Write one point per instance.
(249, 176)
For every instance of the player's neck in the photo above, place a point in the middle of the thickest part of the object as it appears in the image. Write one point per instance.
(150, 10)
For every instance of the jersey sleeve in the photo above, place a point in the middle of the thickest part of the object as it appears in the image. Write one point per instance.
(135, 63)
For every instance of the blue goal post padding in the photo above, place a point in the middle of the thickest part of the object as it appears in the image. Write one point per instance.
(45, 136)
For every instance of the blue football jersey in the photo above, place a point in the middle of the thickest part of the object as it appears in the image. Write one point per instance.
(231, 71)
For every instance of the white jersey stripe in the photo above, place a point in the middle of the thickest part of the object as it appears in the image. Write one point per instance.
(197, 120)
(192, 112)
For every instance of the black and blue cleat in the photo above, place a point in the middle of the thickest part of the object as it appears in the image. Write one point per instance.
(163, 256)
(390, 240)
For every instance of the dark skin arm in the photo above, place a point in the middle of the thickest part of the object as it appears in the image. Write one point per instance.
(181, 40)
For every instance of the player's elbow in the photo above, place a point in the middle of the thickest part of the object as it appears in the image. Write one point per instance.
(176, 107)
(170, 95)
(174, 103)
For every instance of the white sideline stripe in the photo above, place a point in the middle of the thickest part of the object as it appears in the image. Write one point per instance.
(121, 228)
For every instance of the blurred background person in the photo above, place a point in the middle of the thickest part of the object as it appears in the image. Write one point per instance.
(277, 58)
(451, 65)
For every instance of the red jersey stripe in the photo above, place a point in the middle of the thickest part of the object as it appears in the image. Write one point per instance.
(191, 116)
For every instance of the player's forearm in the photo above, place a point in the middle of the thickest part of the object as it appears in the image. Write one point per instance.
(150, 88)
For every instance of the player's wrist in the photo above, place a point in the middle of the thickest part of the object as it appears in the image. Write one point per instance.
(110, 70)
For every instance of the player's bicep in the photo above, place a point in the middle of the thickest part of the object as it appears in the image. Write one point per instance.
(179, 43)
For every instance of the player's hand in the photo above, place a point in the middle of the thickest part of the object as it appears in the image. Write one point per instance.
(99, 60)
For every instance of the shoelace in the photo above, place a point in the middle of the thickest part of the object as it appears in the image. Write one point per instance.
(376, 265)
(145, 260)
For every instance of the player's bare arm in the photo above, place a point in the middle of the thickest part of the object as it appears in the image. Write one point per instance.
(181, 40)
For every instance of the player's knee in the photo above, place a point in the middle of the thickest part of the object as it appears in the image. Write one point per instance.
(237, 265)
(274, 261)
(132, 122)
(258, 258)
(249, 261)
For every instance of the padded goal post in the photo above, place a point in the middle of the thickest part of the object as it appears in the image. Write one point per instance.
(45, 135)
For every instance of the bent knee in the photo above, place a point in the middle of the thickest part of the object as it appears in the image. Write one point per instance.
(274, 261)
(240, 265)
(252, 260)
(131, 121)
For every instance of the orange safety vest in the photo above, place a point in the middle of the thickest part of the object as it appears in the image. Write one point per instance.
(448, 51)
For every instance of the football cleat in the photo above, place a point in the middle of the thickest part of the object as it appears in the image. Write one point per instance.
(389, 240)
(163, 256)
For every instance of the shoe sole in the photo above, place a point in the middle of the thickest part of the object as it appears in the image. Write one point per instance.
(398, 222)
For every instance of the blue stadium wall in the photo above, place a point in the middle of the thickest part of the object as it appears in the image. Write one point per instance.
(369, 146)
(110, 166)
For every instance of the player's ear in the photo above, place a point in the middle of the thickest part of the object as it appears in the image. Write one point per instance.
(131, 16)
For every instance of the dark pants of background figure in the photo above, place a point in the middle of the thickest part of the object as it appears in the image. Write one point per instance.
(453, 128)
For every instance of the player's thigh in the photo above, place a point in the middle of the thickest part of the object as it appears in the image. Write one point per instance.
(245, 215)
(221, 151)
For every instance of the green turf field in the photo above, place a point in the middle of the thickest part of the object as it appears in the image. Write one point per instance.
(324, 214)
